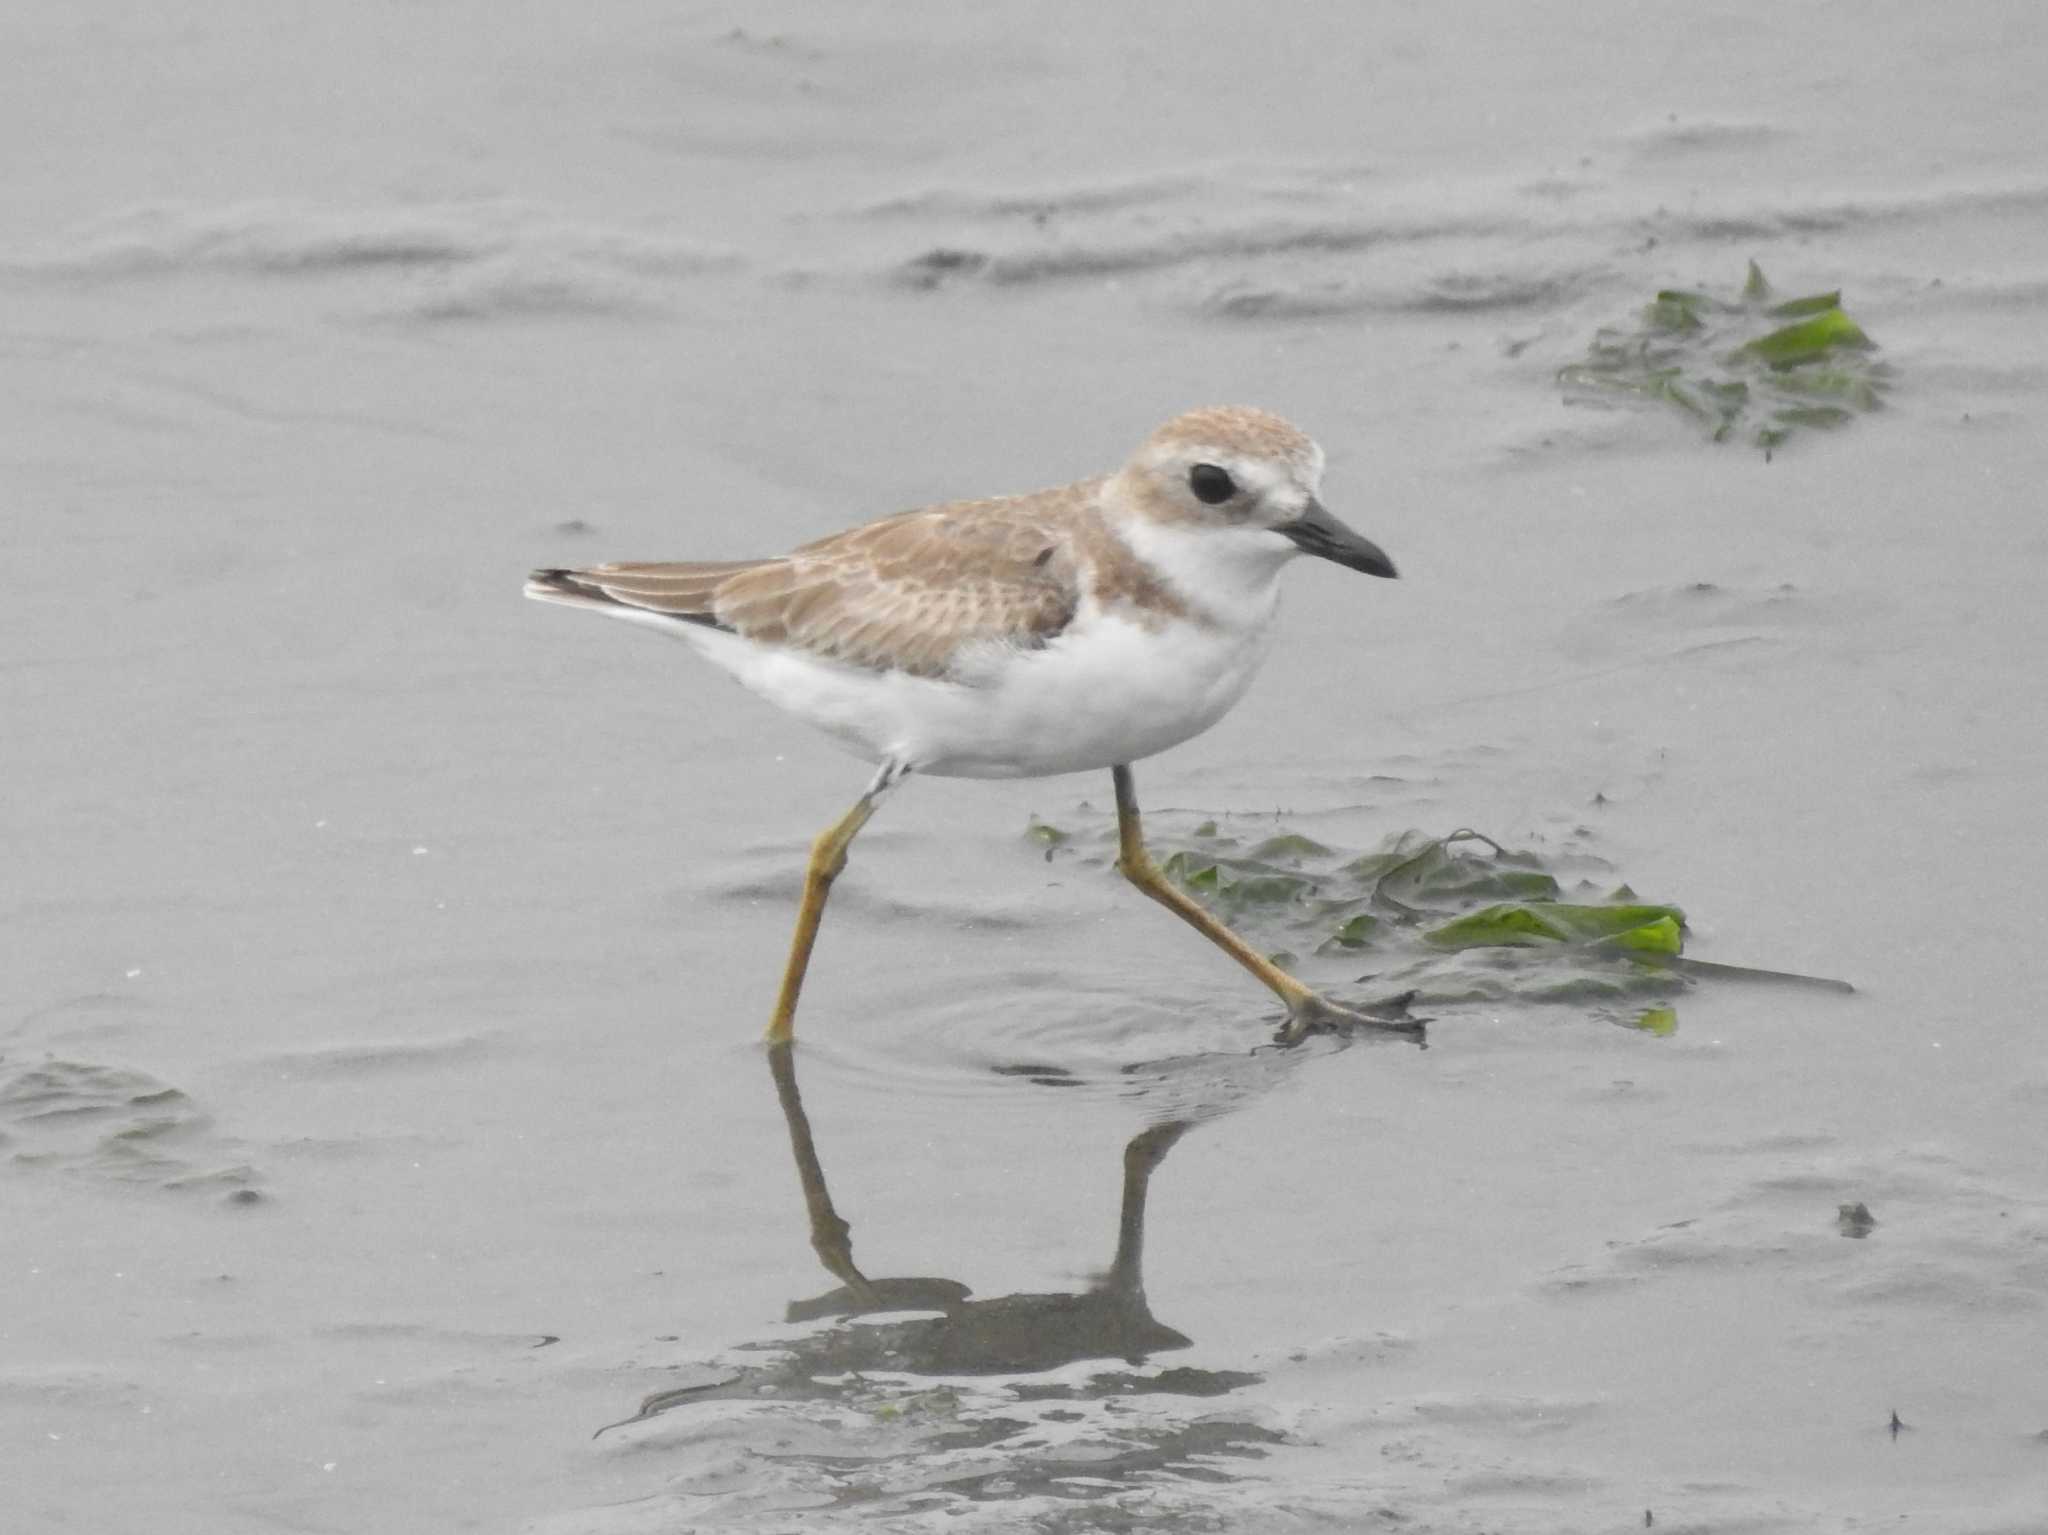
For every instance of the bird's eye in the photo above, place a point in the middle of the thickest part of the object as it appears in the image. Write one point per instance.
(1211, 485)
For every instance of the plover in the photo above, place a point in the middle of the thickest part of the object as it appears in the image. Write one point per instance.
(1076, 628)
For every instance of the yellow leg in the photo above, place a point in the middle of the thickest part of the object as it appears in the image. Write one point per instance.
(828, 859)
(1307, 1011)
(1136, 865)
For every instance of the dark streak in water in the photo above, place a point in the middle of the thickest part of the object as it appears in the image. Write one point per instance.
(1453, 293)
(1676, 138)
(111, 1121)
(954, 203)
(1106, 259)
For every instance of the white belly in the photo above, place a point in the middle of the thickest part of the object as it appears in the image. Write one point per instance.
(1105, 692)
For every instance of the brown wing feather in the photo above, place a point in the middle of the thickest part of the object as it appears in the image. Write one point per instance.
(911, 592)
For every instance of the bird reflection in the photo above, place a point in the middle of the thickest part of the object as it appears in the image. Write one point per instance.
(1010, 1333)
(1004, 1335)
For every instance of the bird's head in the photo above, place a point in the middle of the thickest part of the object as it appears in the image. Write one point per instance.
(1239, 469)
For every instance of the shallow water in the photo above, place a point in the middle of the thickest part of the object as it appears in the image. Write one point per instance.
(380, 1099)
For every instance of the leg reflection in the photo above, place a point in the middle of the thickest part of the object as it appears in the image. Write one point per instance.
(831, 1237)
(1126, 1276)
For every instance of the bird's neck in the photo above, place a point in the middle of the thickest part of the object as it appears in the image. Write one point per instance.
(1228, 575)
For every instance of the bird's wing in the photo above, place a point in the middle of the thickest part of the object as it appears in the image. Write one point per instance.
(909, 593)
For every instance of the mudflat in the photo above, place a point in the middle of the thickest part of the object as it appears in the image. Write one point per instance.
(382, 1110)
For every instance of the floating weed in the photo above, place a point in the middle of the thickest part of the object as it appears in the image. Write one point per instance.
(1660, 1021)
(1744, 367)
(941, 1404)
(1045, 835)
(1417, 873)
(1354, 932)
(1458, 917)
(1644, 929)
(1291, 846)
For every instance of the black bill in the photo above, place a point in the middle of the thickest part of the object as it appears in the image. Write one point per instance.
(1317, 532)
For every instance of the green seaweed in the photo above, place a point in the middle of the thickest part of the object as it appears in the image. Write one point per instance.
(1660, 1021)
(1044, 834)
(1747, 366)
(1457, 918)
(1818, 303)
(1354, 932)
(1419, 871)
(1809, 340)
(1647, 929)
(1290, 845)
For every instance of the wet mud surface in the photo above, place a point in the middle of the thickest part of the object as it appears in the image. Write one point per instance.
(385, 1140)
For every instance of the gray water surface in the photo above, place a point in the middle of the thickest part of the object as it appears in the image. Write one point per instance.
(382, 1113)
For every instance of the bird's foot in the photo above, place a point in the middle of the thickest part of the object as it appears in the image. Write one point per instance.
(1314, 1014)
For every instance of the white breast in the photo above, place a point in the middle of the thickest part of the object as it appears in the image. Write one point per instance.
(1110, 690)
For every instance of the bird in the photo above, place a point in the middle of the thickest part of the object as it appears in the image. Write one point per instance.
(1087, 626)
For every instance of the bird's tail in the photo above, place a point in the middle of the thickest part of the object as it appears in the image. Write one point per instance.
(686, 591)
